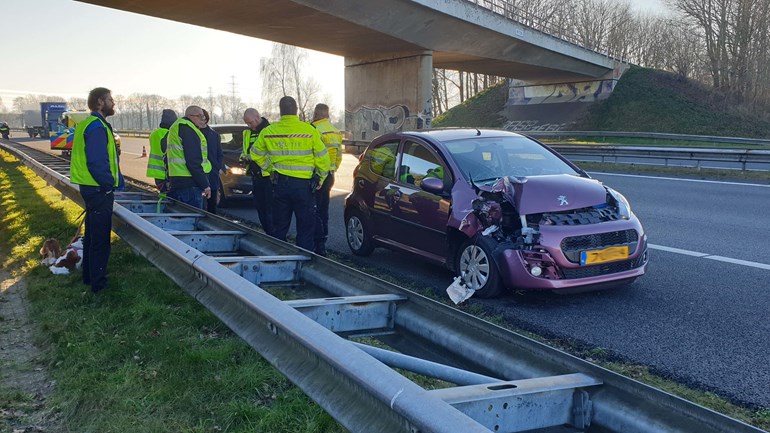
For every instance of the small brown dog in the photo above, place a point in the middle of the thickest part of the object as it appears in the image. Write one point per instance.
(50, 251)
(65, 261)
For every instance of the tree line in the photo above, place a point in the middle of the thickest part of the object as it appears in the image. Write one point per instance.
(724, 43)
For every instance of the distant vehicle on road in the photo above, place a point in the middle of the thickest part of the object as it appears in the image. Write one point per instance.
(234, 183)
(41, 123)
(63, 131)
(502, 210)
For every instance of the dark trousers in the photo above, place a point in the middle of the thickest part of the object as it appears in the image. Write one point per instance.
(190, 195)
(292, 195)
(211, 203)
(96, 236)
(322, 214)
(262, 190)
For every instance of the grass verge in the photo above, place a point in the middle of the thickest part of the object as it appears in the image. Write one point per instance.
(141, 356)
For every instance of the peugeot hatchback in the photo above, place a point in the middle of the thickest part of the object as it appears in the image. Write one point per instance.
(500, 209)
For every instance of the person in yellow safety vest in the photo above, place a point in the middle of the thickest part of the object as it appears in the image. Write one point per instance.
(332, 138)
(261, 187)
(187, 155)
(95, 166)
(156, 163)
(437, 172)
(292, 152)
(5, 130)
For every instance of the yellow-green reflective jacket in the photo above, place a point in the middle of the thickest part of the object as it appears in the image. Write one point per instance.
(156, 168)
(249, 140)
(79, 173)
(292, 148)
(175, 150)
(332, 138)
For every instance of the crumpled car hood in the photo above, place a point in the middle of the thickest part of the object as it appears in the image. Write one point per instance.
(555, 193)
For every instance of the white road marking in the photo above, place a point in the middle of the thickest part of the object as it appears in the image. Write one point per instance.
(340, 190)
(710, 257)
(682, 180)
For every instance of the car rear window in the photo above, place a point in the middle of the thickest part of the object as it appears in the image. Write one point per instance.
(231, 141)
(382, 159)
(485, 159)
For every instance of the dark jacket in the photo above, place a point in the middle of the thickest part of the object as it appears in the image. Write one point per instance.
(216, 156)
(166, 120)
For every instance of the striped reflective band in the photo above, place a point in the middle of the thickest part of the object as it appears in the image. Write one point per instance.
(290, 136)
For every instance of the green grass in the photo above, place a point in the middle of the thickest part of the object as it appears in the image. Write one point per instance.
(142, 356)
(481, 110)
(648, 100)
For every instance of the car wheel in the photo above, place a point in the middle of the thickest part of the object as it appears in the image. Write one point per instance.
(357, 233)
(477, 267)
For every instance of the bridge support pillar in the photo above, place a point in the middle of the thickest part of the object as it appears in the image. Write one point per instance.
(388, 94)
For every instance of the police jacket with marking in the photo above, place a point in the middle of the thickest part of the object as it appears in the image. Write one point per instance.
(332, 138)
(292, 148)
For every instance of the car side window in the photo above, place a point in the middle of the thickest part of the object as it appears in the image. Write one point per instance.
(231, 141)
(419, 162)
(382, 159)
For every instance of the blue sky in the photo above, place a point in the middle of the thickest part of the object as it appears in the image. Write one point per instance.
(44, 39)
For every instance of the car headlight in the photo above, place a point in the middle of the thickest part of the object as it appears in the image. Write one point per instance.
(624, 208)
(238, 171)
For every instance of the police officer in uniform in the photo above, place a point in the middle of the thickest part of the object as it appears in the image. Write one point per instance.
(187, 155)
(95, 167)
(261, 187)
(5, 130)
(293, 154)
(332, 138)
(156, 163)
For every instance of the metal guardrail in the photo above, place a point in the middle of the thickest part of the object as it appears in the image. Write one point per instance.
(542, 387)
(742, 159)
(649, 135)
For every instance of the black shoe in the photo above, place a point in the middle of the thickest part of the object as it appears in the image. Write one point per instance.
(322, 253)
(97, 289)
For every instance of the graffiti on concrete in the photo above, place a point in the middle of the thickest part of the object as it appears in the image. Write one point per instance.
(533, 125)
(369, 122)
(588, 91)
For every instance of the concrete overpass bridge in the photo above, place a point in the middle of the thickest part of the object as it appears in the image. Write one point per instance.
(391, 47)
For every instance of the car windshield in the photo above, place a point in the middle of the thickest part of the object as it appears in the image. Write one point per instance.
(486, 159)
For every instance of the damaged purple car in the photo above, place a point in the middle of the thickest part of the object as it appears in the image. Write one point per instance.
(500, 209)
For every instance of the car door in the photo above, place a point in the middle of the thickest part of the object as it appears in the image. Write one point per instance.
(420, 217)
(375, 182)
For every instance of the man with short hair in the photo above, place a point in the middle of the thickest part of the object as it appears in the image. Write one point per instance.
(187, 155)
(261, 187)
(297, 160)
(95, 167)
(332, 138)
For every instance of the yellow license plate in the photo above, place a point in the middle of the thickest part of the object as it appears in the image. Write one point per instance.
(605, 255)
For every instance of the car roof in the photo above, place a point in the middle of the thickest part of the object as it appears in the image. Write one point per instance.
(447, 134)
(226, 127)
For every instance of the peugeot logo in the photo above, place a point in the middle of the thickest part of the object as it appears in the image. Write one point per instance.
(563, 200)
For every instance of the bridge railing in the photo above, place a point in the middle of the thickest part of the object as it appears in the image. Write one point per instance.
(508, 9)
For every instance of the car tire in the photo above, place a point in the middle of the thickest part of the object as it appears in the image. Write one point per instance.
(477, 267)
(358, 235)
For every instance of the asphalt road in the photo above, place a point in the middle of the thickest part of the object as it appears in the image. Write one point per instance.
(700, 314)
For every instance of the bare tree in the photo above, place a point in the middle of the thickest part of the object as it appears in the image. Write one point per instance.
(283, 74)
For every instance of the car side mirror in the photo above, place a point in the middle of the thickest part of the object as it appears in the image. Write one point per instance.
(432, 185)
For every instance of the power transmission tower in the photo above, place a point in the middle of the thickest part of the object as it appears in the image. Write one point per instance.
(211, 103)
(233, 104)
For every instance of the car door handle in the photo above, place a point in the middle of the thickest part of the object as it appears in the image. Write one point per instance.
(397, 194)
(361, 183)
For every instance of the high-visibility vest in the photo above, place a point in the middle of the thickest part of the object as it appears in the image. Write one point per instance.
(249, 140)
(175, 150)
(156, 168)
(292, 148)
(4, 128)
(332, 138)
(79, 173)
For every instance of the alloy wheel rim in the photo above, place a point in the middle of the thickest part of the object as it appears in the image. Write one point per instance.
(474, 267)
(355, 233)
